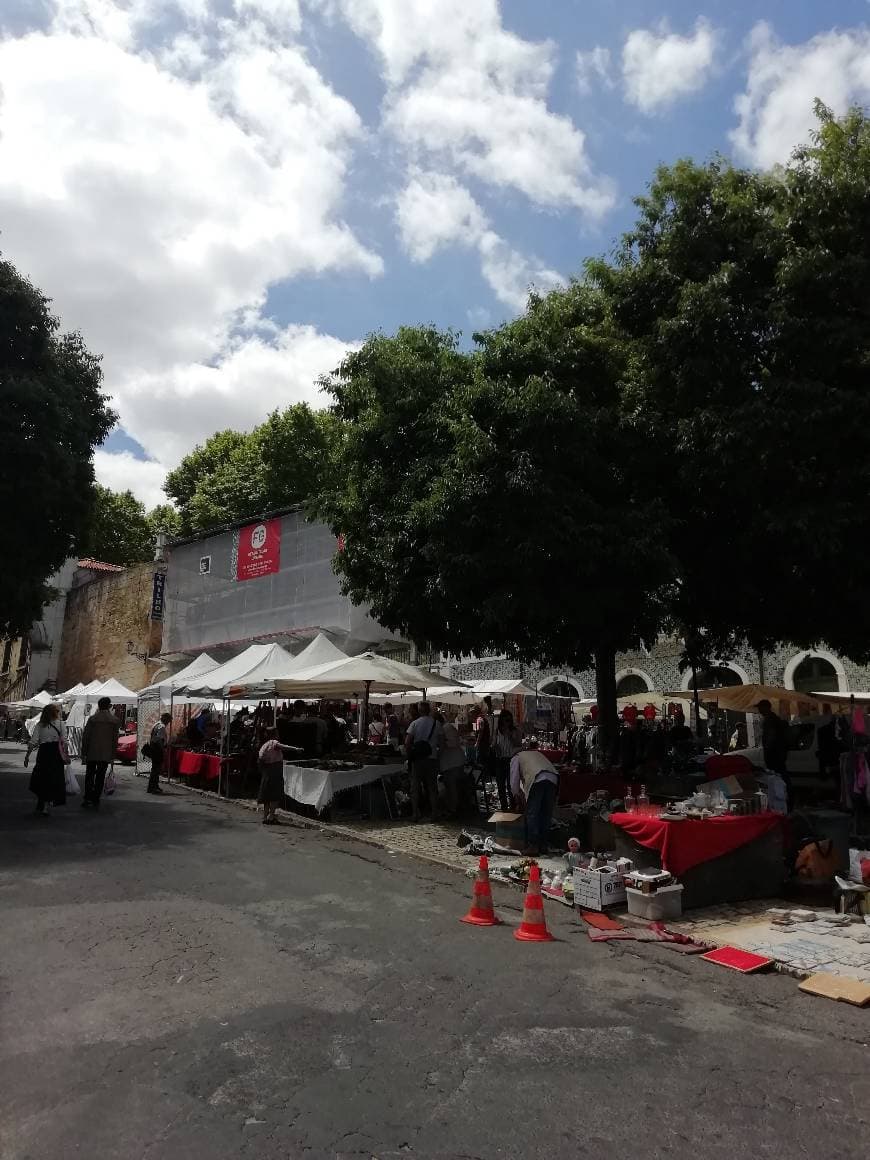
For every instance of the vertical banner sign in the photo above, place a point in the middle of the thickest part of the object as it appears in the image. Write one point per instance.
(158, 595)
(258, 550)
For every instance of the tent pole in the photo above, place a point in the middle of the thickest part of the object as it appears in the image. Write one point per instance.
(225, 705)
(169, 746)
(362, 731)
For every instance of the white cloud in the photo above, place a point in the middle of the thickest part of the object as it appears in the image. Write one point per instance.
(465, 93)
(434, 210)
(156, 188)
(122, 471)
(593, 68)
(660, 67)
(776, 110)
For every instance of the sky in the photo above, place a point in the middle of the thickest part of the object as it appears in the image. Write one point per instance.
(224, 196)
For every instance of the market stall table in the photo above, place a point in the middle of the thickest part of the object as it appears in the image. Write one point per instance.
(719, 859)
(317, 787)
(189, 763)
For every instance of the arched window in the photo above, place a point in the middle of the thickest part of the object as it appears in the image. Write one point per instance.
(718, 677)
(561, 689)
(631, 685)
(815, 675)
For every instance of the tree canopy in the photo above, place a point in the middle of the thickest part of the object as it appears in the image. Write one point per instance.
(234, 475)
(121, 531)
(54, 414)
(661, 445)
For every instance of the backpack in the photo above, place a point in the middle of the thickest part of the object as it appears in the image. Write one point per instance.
(420, 750)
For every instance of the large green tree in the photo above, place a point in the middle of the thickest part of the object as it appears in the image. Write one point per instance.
(499, 500)
(53, 415)
(744, 297)
(233, 475)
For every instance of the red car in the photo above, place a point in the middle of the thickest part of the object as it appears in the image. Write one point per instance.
(125, 752)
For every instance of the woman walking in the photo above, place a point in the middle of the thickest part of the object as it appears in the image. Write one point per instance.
(48, 779)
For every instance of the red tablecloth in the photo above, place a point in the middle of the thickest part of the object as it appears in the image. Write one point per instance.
(211, 767)
(557, 756)
(683, 845)
(189, 763)
(577, 785)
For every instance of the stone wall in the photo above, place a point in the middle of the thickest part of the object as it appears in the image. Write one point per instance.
(102, 615)
(659, 667)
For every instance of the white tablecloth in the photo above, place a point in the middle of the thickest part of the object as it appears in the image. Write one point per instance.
(317, 787)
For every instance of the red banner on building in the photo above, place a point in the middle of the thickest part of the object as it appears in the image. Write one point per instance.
(258, 550)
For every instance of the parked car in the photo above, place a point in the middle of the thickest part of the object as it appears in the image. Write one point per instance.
(803, 747)
(125, 753)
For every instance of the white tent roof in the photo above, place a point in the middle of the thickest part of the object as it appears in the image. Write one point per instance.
(119, 693)
(37, 701)
(198, 667)
(259, 661)
(514, 688)
(320, 651)
(78, 688)
(352, 675)
(442, 694)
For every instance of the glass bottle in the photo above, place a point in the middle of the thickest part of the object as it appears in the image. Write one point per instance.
(629, 800)
(643, 802)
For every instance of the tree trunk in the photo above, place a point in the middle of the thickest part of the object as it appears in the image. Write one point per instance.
(605, 691)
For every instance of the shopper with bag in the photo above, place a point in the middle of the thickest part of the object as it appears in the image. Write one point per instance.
(48, 780)
(422, 743)
(99, 744)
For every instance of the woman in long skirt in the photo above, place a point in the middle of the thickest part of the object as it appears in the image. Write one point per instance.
(48, 780)
(271, 762)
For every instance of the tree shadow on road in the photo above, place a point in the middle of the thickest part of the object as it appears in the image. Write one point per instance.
(128, 821)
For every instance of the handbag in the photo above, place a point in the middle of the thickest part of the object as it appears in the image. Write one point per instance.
(64, 752)
(70, 780)
(420, 750)
(109, 783)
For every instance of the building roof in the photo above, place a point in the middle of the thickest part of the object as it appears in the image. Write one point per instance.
(99, 565)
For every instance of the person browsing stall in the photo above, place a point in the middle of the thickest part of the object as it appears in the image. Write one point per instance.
(534, 780)
(422, 743)
(271, 762)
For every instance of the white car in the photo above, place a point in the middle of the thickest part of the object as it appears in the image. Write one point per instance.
(802, 749)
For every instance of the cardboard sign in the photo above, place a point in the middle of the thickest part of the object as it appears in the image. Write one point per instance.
(258, 550)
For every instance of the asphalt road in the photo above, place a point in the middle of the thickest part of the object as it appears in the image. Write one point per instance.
(179, 981)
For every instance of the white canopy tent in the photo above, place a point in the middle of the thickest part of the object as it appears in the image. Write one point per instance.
(232, 672)
(441, 695)
(198, 667)
(367, 672)
(512, 688)
(119, 694)
(280, 665)
(77, 688)
(37, 701)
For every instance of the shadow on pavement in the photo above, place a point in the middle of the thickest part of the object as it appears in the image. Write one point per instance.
(128, 820)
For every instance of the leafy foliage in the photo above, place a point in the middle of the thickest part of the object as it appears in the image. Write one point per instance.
(234, 475)
(120, 531)
(53, 416)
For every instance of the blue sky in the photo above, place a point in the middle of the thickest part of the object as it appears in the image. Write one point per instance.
(223, 195)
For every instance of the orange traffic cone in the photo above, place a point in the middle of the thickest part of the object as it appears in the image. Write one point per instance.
(481, 912)
(533, 928)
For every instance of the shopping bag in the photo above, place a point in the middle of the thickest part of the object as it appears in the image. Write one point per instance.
(72, 782)
(109, 784)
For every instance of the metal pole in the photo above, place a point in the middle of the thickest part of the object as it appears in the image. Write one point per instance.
(169, 746)
(696, 701)
(225, 711)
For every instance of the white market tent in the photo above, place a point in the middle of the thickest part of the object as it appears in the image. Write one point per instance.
(512, 688)
(367, 672)
(37, 701)
(198, 667)
(74, 691)
(119, 694)
(263, 659)
(441, 694)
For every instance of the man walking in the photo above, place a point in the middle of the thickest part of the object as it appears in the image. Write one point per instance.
(159, 743)
(422, 742)
(99, 743)
(534, 778)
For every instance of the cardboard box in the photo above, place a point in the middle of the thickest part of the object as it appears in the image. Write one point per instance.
(663, 904)
(596, 889)
(510, 830)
